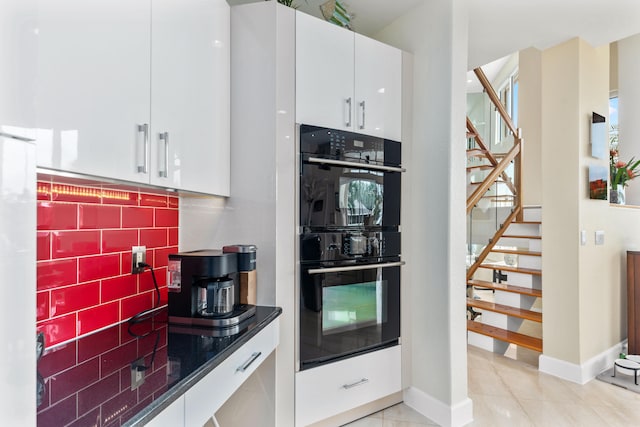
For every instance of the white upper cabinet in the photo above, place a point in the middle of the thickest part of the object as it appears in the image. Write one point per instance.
(93, 86)
(324, 74)
(378, 88)
(346, 81)
(136, 90)
(190, 95)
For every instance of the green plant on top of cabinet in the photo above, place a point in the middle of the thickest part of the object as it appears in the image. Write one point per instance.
(134, 92)
(347, 81)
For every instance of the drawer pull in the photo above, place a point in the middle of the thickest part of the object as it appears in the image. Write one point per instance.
(248, 363)
(357, 383)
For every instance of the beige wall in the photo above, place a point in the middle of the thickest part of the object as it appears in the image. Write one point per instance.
(530, 121)
(560, 214)
(583, 286)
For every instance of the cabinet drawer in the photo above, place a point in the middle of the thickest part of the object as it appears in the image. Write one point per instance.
(338, 387)
(205, 397)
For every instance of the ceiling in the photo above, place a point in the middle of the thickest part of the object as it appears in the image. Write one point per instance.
(501, 27)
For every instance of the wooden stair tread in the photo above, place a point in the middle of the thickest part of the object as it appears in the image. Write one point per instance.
(479, 167)
(505, 309)
(473, 152)
(526, 341)
(506, 288)
(513, 269)
(516, 251)
(521, 236)
(527, 222)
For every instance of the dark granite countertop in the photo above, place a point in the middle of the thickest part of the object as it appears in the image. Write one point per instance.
(88, 382)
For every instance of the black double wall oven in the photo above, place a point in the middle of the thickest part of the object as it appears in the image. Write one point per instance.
(349, 244)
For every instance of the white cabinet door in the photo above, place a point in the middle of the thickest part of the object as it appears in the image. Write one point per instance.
(378, 88)
(171, 416)
(207, 395)
(338, 387)
(190, 95)
(93, 86)
(324, 74)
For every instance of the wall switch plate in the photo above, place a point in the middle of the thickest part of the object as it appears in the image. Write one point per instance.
(137, 373)
(138, 255)
(583, 237)
(600, 237)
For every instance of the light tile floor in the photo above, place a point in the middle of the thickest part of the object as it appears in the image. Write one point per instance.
(508, 392)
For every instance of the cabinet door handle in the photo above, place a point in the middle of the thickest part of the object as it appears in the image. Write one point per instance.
(144, 128)
(363, 115)
(357, 383)
(248, 363)
(348, 104)
(162, 172)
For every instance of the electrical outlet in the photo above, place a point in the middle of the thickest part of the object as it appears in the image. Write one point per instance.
(138, 255)
(137, 373)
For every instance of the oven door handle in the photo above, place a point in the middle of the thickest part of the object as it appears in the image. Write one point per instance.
(354, 267)
(320, 160)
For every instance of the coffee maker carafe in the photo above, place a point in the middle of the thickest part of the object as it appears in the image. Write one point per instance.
(203, 289)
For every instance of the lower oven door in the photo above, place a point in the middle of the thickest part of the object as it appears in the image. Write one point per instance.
(347, 310)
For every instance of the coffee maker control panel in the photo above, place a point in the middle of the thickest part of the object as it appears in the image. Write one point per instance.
(174, 276)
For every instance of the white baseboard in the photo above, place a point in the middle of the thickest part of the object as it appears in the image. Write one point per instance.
(445, 415)
(580, 374)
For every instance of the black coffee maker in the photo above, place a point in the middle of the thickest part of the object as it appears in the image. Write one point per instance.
(204, 290)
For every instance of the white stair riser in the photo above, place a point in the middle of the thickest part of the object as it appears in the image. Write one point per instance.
(532, 214)
(517, 242)
(494, 319)
(524, 229)
(519, 279)
(481, 341)
(514, 324)
(535, 245)
(507, 298)
(528, 261)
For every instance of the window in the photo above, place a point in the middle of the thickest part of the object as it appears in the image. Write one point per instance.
(613, 120)
(508, 94)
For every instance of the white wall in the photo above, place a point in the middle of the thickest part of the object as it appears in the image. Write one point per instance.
(434, 242)
(629, 107)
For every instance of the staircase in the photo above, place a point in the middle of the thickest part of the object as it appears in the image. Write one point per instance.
(505, 293)
(504, 259)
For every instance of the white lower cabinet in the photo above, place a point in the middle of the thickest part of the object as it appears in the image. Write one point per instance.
(338, 387)
(171, 416)
(207, 396)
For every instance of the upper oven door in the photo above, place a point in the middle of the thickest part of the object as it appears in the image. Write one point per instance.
(348, 180)
(342, 195)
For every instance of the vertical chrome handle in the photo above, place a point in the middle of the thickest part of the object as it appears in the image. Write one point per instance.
(348, 103)
(357, 383)
(363, 115)
(144, 128)
(162, 173)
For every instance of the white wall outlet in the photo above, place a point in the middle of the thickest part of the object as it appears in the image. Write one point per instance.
(600, 237)
(138, 255)
(583, 237)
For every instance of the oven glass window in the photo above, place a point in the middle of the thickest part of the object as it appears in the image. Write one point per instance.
(361, 199)
(349, 307)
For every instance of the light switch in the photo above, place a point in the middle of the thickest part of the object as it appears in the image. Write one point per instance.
(583, 237)
(600, 237)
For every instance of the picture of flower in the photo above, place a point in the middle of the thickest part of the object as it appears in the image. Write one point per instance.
(622, 172)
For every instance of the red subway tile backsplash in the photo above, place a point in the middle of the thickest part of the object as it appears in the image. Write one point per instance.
(57, 216)
(53, 274)
(98, 267)
(118, 240)
(84, 240)
(98, 216)
(137, 217)
(66, 244)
